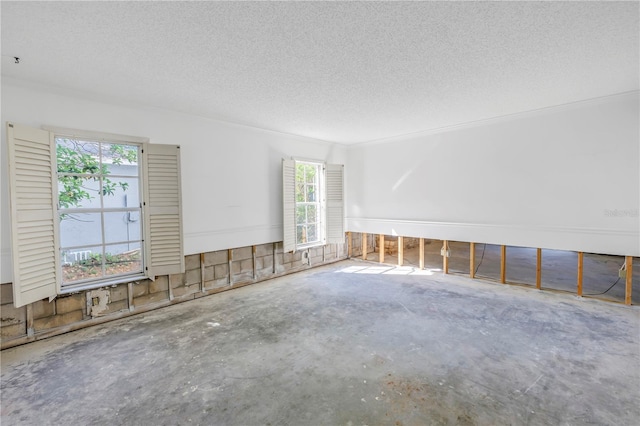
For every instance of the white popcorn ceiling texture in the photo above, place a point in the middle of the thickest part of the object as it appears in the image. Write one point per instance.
(344, 72)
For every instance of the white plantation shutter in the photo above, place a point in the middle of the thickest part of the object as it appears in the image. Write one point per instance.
(34, 219)
(289, 205)
(163, 210)
(334, 179)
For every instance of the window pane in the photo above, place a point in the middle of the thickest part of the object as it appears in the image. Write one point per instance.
(301, 234)
(122, 259)
(120, 159)
(121, 192)
(121, 226)
(300, 192)
(76, 192)
(81, 264)
(80, 229)
(76, 156)
(311, 174)
(311, 193)
(312, 213)
(300, 173)
(312, 233)
(301, 217)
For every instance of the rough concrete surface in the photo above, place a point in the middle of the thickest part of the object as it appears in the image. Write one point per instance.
(352, 343)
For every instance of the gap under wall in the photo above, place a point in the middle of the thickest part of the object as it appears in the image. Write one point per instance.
(597, 275)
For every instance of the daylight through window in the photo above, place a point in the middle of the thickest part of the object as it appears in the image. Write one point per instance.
(308, 203)
(99, 210)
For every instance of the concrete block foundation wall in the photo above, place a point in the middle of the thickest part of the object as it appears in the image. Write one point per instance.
(205, 274)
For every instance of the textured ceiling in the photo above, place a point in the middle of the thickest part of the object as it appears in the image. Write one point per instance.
(337, 71)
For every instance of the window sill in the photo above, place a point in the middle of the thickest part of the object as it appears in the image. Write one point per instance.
(98, 284)
(309, 245)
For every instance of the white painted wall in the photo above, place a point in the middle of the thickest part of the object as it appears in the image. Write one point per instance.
(561, 178)
(231, 174)
(543, 179)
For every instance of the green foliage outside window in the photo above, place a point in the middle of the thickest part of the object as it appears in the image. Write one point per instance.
(79, 163)
(306, 182)
(307, 199)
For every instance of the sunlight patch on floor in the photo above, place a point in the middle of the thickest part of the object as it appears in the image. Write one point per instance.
(388, 270)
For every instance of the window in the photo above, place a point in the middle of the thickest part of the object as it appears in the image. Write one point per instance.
(308, 204)
(312, 204)
(90, 209)
(99, 210)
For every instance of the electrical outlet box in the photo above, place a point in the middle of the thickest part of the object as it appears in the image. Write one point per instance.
(622, 273)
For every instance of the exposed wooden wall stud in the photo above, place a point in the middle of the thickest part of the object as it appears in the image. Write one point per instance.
(421, 253)
(130, 296)
(364, 246)
(253, 256)
(539, 269)
(30, 329)
(170, 288)
(472, 260)
(88, 305)
(201, 273)
(580, 270)
(400, 251)
(445, 257)
(503, 264)
(273, 257)
(230, 262)
(349, 244)
(381, 247)
(628, 280)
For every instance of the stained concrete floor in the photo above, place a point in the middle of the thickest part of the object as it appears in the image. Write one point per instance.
(352, 343)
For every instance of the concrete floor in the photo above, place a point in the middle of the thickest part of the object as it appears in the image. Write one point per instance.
(353, 343)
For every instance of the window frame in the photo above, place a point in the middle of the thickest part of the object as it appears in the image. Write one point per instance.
(103, 280)
(332, 210)
(320, 203)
